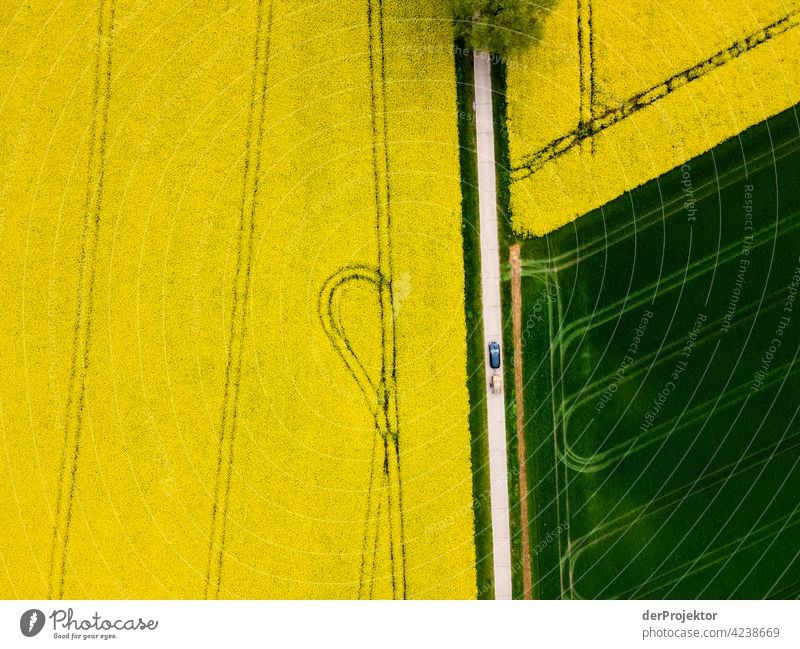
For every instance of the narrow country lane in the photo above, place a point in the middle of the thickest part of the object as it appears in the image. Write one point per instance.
(492, 324)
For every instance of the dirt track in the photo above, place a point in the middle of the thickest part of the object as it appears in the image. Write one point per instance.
(516, 310)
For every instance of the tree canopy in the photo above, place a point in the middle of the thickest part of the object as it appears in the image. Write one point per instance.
(498, 26)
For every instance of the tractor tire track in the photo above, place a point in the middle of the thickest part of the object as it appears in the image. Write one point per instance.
(241, 292)
(596, 125)
(385, 492)
(87, 266)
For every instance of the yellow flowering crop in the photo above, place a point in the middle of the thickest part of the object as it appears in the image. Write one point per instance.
(620, 91)
(193, 404)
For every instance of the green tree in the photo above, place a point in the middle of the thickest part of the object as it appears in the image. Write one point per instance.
(498, 26)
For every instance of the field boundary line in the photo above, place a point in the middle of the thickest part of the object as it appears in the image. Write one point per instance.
(516, 316)
(656, 216)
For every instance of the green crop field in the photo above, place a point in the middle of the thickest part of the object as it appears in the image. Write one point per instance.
(662, 384)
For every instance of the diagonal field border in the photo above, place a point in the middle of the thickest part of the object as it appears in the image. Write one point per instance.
(588, 129)
(87, 264)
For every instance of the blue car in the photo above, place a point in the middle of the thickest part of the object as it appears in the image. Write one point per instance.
(494, 355)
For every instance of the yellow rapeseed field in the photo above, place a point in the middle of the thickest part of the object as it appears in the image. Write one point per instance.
(618, 92)
(233, 341)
